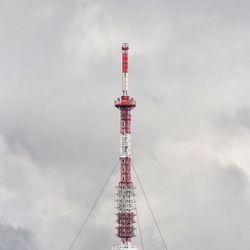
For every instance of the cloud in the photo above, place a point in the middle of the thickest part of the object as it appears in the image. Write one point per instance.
(59, 75)
(19, 239)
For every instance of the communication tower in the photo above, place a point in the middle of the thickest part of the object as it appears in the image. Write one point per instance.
(126, 209)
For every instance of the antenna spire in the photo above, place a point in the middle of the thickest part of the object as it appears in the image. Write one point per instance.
(125, 49)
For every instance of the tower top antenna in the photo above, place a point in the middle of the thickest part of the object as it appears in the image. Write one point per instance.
(125, 46)
(125, 49)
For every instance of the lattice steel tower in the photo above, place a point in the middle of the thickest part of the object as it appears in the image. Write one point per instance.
(125, 189)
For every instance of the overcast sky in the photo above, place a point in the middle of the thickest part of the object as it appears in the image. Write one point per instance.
(59, 132)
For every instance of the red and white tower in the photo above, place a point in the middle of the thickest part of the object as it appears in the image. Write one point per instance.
(125, 189)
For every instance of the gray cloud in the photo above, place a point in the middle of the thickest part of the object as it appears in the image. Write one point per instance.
(19, 239)
(189, 72)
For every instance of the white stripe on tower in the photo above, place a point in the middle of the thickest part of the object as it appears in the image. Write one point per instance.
(125, 150)
(125, 84)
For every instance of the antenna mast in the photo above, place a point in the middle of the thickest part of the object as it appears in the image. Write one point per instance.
(125, 189)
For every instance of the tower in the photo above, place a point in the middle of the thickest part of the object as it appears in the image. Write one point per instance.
(125, 190)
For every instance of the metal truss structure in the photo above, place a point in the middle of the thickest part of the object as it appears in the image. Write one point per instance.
(126, 210)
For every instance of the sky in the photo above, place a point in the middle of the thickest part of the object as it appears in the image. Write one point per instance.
(60, 71)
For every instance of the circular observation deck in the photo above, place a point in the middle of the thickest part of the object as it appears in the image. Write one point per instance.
(125, 102)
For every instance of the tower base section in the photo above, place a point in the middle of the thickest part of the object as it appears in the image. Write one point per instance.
(125, 246)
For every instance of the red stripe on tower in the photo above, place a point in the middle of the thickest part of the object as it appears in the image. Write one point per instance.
(125, 63)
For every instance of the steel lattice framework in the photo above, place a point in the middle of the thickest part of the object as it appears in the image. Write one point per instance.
(125, 188)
